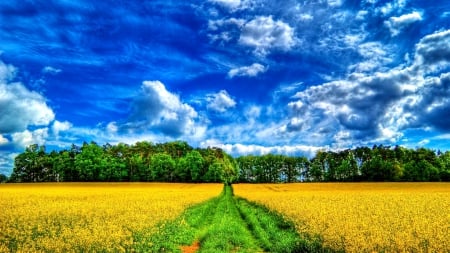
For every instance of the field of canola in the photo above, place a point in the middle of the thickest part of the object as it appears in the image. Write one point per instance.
(363, 217)
(354, 217)
(89, 217)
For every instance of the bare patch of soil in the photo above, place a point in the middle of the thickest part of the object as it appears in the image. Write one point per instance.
(191, 248)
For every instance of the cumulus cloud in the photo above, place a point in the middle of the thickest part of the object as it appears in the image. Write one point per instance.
(378, 106)
(265, 34)
(20, 107)
(251, 71)
(24, 117)
(431, 103)
(27, 137)
(220, 102)
(433, 52)
(158, 109)
(356, 108)
(397, 24)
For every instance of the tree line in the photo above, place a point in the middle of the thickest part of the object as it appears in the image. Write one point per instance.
(143, 161)
(376, 164)
(178, 162)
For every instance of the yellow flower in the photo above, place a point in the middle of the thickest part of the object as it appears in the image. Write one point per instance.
(90, 217)
(363, 217)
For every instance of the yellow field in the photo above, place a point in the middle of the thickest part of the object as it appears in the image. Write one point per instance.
(89, 216)
(363, 217)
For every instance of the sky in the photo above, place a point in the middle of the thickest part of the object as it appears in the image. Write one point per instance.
(247, 76)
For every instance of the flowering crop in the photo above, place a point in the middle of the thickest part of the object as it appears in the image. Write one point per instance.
(363, 217)
(93, 217)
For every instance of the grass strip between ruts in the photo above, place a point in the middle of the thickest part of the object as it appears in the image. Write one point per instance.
(227, 224)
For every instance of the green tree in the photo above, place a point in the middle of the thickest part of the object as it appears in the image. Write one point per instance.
(3, 178)
(162, 167)
(183, 170)
(65, 166)
(444, 160)
(229, 168)
(28, 166)
(215, 172)
(318, 167)
(246, 167)
(90, 163)
(195, 163)
(136, 165)
(115, 169)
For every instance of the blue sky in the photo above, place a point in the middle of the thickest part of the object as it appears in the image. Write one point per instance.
(248, 76)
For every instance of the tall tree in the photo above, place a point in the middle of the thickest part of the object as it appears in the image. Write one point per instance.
(27, 165)
(90, 163)
(162, 167)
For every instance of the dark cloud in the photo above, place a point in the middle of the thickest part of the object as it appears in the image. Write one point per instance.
(433, 106)
(433, 49)
(357, 104)
(380, 105)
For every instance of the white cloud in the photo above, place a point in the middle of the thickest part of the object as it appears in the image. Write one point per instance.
(230, 4)
(234, 5)
(334, 3)
(21, 108)
(378, 106)
(3, 140)
(7, 72)
(112, 127)
(251, 71)
(423, 142)
(397, 24)
(157, 108)
(264, 34)
(433, 52)
(374, 56)
(224, 30)
(361, 15)
(26, 138)
(354, 108)
(393, 6)
(252, 113)
(214, 25)
(220, 102)
(51, 70)
(238, 149)
(305, 17)
(59, 126)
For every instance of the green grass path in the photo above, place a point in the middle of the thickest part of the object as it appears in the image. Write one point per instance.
(226, 224)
